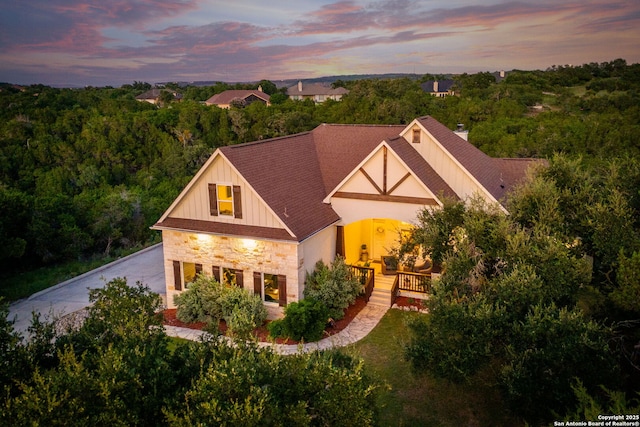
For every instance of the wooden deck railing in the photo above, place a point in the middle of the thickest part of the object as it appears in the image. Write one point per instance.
(394, 291)
(365, 276)
(414, 282)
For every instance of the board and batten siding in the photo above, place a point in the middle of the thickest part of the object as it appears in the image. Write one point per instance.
(195, 205)
(441, 162)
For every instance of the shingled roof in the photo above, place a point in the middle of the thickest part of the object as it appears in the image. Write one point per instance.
(228, 96)
(294, 174)
(494, 174)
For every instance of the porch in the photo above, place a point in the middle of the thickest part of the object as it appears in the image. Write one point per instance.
(384, 289)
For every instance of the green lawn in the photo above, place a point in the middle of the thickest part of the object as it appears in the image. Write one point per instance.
(417, 399)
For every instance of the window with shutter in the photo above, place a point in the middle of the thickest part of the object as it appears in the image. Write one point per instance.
(225, 199)
(215, 270)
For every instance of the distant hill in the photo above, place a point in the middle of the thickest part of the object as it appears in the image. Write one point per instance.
(324, 79)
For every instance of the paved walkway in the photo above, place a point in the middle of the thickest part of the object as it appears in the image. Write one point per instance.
(360, 326)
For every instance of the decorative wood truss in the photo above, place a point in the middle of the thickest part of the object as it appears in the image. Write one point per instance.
(385, 192)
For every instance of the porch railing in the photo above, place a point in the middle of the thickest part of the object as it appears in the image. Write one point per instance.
(365, 276)
(414, 282)
(395, 291)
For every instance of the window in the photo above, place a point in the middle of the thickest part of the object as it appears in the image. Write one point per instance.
(225, 200)
(184, 273)
(416, 136)
(272, 288)
(229, 276)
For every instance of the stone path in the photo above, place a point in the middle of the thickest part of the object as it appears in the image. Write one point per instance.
(360, 326)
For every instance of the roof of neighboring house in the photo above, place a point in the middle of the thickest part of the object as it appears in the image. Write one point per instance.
(155, 94)
(443, 85)
(228, 96)
(294, 174)
(310, 89)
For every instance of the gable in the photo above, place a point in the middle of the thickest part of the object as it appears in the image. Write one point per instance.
(461, 165)
(384, 177)
(195, 202)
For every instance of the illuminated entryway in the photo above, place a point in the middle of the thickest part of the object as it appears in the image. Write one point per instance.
(379, 235)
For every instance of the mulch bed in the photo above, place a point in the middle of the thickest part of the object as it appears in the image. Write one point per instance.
(262, 333)
(410, 302)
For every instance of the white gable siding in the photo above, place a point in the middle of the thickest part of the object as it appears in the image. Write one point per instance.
(441, 162)
(195, 204)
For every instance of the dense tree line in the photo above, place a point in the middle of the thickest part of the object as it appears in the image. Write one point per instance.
(87, 171)
(120, 369)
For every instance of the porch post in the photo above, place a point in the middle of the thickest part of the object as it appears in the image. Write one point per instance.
(340, 240)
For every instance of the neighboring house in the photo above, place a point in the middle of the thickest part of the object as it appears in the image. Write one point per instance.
(238, 97)
(439, 88)
(153, 96)
(500, 75)
(261, 214)
(315, 91)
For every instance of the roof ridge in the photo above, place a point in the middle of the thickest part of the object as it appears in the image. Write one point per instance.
(360, 124)
(262, 141)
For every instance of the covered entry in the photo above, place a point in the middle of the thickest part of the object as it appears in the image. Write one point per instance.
(368, 240)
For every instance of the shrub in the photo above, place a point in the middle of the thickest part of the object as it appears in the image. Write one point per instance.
(304, 320)
(242, 311)
(199, 303)
(334, 286)
(206, 300)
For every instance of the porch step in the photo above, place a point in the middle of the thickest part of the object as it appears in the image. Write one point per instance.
(380, 297)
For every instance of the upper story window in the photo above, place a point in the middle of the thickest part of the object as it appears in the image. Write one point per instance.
(224, 199)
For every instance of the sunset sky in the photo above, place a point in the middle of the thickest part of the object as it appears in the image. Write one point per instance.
(112, 42)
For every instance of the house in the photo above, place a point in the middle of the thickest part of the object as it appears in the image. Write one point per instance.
(315, 91)
(439, 88)
(261, 214)
(238, 97)
(153, 96)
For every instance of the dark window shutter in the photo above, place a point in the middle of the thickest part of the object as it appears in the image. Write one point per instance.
(198, 269)
(282, 290)
(340, 240)
(239, 279)
(215, 270)
(213, 200)
(177, 276)
(257, 283)
(237, 202)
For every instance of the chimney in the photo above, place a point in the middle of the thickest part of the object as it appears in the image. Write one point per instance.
(299, 85)
(435, 86)
(259, 88)
(464, 134)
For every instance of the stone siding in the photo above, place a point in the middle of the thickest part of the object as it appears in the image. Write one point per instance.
(230, 252)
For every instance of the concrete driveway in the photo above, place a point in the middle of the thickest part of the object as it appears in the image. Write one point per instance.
(146, 266)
